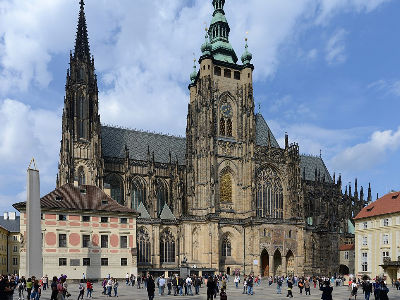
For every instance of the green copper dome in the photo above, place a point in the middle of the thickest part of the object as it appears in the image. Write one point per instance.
(206, 47)
(246, 56)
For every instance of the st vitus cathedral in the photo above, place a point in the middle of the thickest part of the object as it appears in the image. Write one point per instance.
(227, 197)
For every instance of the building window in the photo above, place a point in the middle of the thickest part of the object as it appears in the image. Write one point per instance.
(85, 218)
(62, 240)
(167, 247)
(15, 248)
(236, 75)
(226, 247)
(81, 176)
(104, 261)
(365, 241)
(62, 261)
(228, 127)
(104, 241)
(385, 254)
(124, 220)
(62, 217)
(85, 241)
(265, 231)
(222, 126)
(104, 219)
(385, 222)
(162, 195)
(269, 195)
(15, 238)
(143, 246)
(225, 188)
(290, 234)
(138, 193)
(364, 261)
(86, 262)
(346, 255)
(217, 71)
(124, 261)
(227, 73)
(386, 239)
(116, 187)
(124, 241)
(15, 261)
(365, 225)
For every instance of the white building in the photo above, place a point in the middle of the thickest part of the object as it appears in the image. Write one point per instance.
(377, 238)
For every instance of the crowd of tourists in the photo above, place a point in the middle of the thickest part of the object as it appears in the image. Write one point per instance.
(216, 285)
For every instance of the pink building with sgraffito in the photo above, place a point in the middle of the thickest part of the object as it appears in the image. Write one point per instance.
(84, 233)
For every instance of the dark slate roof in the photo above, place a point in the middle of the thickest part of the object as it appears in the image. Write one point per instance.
(262, 130)
(114, 141)
(69, 197)
(310, 163)
(10, 225)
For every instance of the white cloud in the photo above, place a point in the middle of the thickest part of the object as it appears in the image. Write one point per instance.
(366, 155)
(25, 133)
(335, 47)
(391, 87)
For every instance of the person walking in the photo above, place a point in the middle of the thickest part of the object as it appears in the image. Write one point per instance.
(383, 291)
(326, 291)
(279, 286)
(289, 288)
(89, 288)
(115, 285)
(109, 286)
(189, 285)
(367, 288)
(211, 286)
(307, 287)
(81, 290)
(354, 289)
(150, 287)
(301, 285)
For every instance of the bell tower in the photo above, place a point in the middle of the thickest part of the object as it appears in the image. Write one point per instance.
(220, 130)
(80, 151)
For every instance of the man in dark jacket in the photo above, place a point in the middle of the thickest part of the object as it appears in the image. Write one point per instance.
(211, 286)
(150, 287)
(367, 287)
(326, 291)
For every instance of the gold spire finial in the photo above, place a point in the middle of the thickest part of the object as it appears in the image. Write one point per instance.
(246, 36)
(34, 164)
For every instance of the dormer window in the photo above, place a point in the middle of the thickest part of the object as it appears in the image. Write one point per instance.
(217, 71)
(227, 73)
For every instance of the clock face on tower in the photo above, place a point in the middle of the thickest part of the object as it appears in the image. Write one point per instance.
(226, 110)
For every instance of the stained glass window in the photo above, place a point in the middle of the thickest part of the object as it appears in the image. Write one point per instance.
(225, 189)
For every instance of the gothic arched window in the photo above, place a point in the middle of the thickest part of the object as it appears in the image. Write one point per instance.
(225, 187)
(222, 126)
(138, 193)
(167, 247)
(116, 186)
(143, 246)
(269, 195)
(226, 247)
(81, 176)
(229, 127)
(162, 195)
(81, 117)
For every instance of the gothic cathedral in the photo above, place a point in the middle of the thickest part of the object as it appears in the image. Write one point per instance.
(226, 198)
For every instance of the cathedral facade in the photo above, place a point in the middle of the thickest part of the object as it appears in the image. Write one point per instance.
(227, 197)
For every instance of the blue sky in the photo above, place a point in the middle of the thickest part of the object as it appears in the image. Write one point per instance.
(326, 72)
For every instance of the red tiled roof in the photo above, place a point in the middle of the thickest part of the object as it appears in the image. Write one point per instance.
(346, 247)
(85, 197)
(390, 203)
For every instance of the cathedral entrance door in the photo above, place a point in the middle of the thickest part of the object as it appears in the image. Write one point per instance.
(277, 263)
(264, 263)
(290, 263)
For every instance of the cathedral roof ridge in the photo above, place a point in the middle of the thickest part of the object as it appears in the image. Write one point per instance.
(143, 131)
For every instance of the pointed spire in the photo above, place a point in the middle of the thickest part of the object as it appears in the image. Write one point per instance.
(246, 56)
(355, 189)
(350, 189)
(286, 140)
(82, 49)
(369, 198)
(334, 177)
(362, 194)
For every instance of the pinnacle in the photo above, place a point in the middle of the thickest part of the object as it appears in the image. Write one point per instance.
(82, 49)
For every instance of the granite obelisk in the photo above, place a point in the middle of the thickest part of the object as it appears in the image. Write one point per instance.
(34, 257)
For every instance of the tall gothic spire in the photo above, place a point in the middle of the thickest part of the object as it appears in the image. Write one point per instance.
(82, 50)
(219, 35)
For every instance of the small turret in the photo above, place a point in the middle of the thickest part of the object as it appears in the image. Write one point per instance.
(355, 190)
(369, 197)
(246, 56)
(206, 47)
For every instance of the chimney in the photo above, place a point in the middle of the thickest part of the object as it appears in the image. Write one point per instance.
(5, 216)
(11, 215)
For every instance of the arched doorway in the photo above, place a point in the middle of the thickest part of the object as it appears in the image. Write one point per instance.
(290, 263)
(264, 263)
(277, 263)
(228, 270)
(344, 270)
